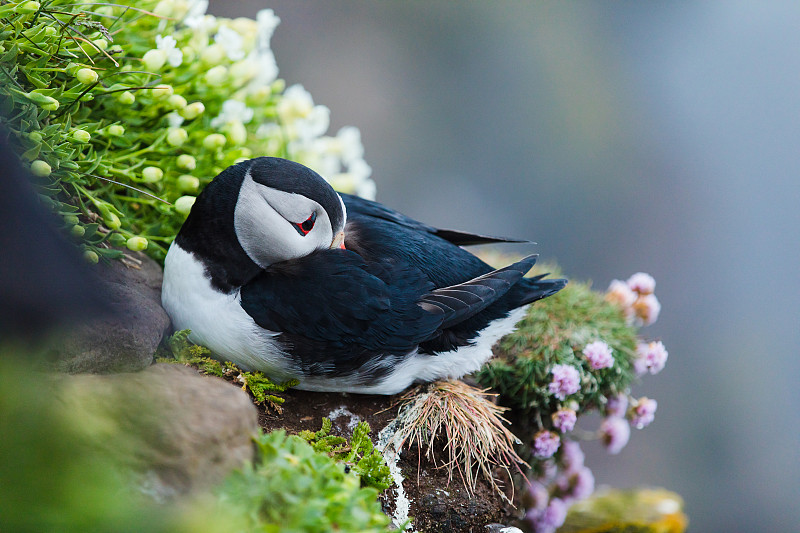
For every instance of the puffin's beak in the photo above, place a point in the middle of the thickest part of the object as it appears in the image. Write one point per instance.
(338, 241)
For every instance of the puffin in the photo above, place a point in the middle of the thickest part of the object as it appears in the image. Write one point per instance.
(276, 272)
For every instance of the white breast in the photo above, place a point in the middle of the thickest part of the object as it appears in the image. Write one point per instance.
(217, 320)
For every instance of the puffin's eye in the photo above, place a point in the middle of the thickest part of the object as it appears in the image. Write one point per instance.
(304, 227)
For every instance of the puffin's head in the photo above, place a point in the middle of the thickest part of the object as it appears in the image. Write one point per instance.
(260, 212)
(285, 211)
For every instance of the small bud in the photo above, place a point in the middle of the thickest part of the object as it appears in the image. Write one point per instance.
(136, 244)
(162, 91)
(152, 174)
(163, 9)
(117, 239)
(213, 54)
(176, 101)
(35, 136)
(77, 231)
(71, 220)
(126, 98)
(86, 76)
(216, 75)
(186, 162)
(81, 136)
(154, 59)
(214, 141)
(177, 136)
(50, 31)
(45, 102)
(91, 256)
(115, 130)
(40, 168)
(193, 110)
(237, 133)
(101, 44)
(188, 183)
(110, 219)
(184, 204)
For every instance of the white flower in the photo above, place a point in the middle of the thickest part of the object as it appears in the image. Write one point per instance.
(231, 41)
(314, 124)
(267, 68)
(232, 111)
(195, 16)
(295, 103)
(350, 147)
(168, 45)
(266, 21)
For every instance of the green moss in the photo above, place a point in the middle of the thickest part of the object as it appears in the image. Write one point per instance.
(555, 331)
(359, 453)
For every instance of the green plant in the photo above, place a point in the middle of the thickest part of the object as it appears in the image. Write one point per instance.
(178, 349)
(359, 454)
(293, 488)
(123, 111)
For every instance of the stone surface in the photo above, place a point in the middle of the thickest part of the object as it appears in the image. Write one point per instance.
(125, 340)
(179, 431)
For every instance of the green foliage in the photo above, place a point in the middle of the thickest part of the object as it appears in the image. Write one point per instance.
(293, 488)
(179, 349)
(554, 331)
(359, 453)
(628, 511)
(124, 111)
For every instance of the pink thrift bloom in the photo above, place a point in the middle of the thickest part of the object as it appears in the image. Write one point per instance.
(537, 496)
(566, 381)
(598, 353)
(576, 485)
(647, 309)
(644, 412)
(642, 283)
(553, 517)
(545, 444)
(656, 357)
(621, 294)
(640, 363)
(564, 420)
(571, 455)
(617, 405)
(615, 433)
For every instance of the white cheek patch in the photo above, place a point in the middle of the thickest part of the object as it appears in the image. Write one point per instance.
(263, 220)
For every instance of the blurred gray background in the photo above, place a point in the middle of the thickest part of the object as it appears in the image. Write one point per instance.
(621, 136)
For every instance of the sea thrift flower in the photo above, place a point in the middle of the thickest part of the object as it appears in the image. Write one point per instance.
(537, 496)
(651, 357)
(571, 455)
(577, 484)
(615, 433)
(617, 405)
(643, 413)
(620, 293)
(551, 518)
(172, 53)
(647, 308)
(545, 444)
(642, 283)
(598, 353)
(566, 381)
(564, 420)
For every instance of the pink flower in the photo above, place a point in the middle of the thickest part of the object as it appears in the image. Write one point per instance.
(566, 381)
(564, 420)
(571, 455)
(598, 353)
(619, 293)
(617, 405)
(545, 444)
(576, 485)
(553, 517)
(656, 357)
(643, 413)
(536, 497)
(615, 433)
(647, 309)
(642, 283)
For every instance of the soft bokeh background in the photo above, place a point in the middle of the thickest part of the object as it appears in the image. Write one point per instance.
(621, 136)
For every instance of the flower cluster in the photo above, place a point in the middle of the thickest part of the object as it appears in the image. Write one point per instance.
(636, 297)
(125, 110)
(575, 353)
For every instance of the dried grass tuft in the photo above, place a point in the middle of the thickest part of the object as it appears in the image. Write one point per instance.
(467, 425)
